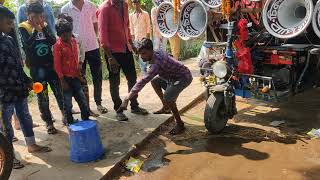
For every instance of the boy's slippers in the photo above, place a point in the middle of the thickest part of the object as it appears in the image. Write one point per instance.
(163, 111)
(17, 164)
(15, 139)
(42, 149)
(51, 130)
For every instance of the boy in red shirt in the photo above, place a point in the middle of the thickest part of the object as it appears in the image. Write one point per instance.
(66, 63)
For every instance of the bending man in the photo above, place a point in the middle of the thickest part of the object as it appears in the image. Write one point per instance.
(164, 73)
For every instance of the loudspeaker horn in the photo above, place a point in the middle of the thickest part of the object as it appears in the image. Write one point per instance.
(158, 2)
(212, 3)
(167, 27)
(287, 18)
(182, 35)
(193, 18)
(316, 19)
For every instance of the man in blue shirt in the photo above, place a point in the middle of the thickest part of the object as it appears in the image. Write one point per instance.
(48, 13)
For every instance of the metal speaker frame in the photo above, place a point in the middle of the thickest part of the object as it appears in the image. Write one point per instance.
(286, 19)
(193, 18)
(212, 3)
(166, 25)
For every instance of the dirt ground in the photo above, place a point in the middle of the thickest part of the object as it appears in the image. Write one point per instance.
(248, 148)
(117, 137)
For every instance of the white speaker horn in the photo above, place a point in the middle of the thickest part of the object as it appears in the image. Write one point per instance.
(158, 2)
(193, 18)
(316, 19)
(166, 25)
(287, 18)
(212, 3)
(182, 35)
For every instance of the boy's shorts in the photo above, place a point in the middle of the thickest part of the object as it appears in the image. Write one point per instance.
(172, 89)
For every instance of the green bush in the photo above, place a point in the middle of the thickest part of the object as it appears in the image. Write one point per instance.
(191, 48)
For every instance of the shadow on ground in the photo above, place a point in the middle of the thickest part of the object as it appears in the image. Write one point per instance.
(196, 140)
(300, 113)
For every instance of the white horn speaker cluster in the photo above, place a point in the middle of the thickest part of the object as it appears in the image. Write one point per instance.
(191, 21)
(287, 18)
(283, 19)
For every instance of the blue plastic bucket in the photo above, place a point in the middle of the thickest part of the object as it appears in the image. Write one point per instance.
(85, 142)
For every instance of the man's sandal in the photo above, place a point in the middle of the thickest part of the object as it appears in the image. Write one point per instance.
(17, 164)
(41, 149)
(102, 109)
(51, 130)
(139, 111)
(15, 139)
(93, 114)
(74, 111)
(163, 111)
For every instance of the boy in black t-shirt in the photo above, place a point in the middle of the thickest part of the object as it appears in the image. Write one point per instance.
(37, 42)
(14, 87)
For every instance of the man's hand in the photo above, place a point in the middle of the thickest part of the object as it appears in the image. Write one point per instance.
(40, 25)
(37, 25)
(30, 86)
(135, 50)
(80, 66)
(64, 85)
(82, 80)
(81, 77)
(124, 105)
(114, 65)
(30, 19)
(79, 73)
(98, 39)
(38, 28)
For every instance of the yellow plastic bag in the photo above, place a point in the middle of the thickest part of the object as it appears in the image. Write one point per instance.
(314, 133)
(134, 165)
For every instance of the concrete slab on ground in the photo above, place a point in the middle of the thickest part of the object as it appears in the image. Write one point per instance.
(117, 137)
